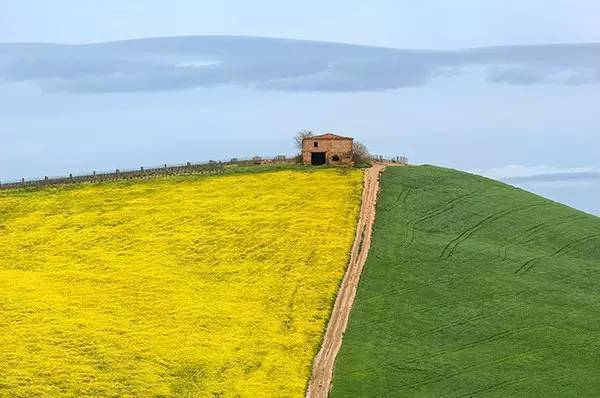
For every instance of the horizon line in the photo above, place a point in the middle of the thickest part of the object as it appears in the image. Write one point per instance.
(118, 41)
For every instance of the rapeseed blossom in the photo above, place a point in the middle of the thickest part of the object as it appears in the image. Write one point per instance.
(179, 286)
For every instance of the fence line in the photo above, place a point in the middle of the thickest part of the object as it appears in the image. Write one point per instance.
(208, 167)
(394, 159)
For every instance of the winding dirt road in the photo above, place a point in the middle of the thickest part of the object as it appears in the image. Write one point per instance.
(322, 373)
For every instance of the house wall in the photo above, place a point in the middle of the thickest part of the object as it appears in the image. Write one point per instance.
(341, 148)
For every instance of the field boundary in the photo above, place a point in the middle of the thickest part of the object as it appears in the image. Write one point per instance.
(209, 167)
(324, 362)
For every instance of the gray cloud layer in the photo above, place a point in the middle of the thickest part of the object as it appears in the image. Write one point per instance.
(556, 177)
(277, 64)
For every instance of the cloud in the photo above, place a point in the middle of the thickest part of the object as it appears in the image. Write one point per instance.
(558, 177)
(518, 174)
(276, 64)
(513, 75)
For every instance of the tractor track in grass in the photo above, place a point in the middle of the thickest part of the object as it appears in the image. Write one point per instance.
(409, 235)
(324, 362)
(400, 200)
(475, 366)
(534, 232)
(530, 264)
(466, 234)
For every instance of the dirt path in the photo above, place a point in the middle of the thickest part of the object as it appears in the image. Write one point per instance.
(320, 381)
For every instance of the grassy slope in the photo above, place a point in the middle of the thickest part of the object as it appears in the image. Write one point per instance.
(474, 287)
(182, 286)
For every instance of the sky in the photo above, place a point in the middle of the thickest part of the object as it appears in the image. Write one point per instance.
(435, 24)
(525, 115)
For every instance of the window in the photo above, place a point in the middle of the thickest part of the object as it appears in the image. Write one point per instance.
(335, 158)
(316, 144)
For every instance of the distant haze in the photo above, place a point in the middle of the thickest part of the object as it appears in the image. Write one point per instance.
(524, 114)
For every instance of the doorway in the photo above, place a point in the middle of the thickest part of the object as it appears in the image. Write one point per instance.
(317, 158)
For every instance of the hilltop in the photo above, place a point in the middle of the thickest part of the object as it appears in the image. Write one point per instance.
(222, 284)
(472, 286)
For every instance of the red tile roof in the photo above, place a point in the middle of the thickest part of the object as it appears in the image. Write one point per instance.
(328, 136)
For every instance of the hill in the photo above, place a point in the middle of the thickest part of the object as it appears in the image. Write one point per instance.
(473, 287)
(175, 286)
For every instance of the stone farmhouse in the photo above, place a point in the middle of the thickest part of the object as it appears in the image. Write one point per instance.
(327, 148)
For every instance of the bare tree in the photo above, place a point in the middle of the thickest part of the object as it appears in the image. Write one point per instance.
(300, 136)
(360, 153)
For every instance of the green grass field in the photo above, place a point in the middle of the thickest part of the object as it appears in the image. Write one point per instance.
(472, 288)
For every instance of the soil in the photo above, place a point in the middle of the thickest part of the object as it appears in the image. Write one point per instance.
(323, 365)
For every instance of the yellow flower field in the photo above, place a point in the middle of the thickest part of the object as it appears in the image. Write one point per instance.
(190, 286)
